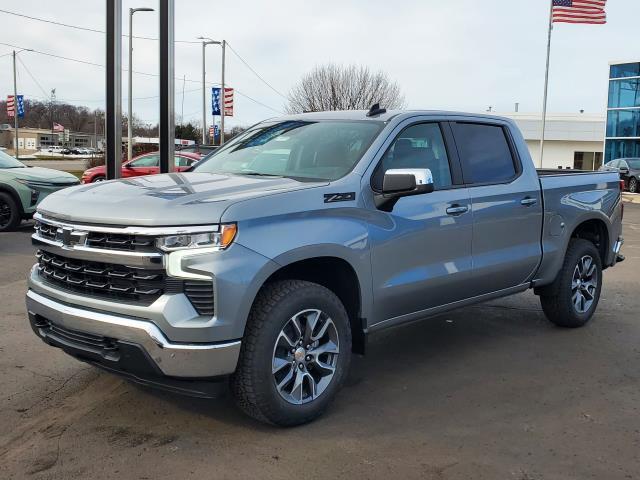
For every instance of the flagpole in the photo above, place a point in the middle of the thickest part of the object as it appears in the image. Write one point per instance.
(546, 83)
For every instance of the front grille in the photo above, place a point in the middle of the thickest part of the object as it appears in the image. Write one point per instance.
(101, 279)
(105, 241)
(200, 294)
(119, 241)
(46, 231)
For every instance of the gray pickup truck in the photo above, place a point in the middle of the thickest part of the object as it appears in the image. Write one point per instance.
(269, 263)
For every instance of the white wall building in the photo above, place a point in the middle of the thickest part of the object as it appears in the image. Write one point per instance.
(571, 140)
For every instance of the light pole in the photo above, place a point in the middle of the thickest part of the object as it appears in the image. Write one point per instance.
(15, 97)
(205, 41)
(130, 96)
(224, 49)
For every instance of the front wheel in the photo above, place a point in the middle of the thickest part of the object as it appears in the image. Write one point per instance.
(98, 178)
(295, 353)
(573, 298)
(9, 213)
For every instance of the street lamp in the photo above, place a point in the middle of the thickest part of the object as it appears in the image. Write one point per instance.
(130, 99)
(207, 41)
(15, 97)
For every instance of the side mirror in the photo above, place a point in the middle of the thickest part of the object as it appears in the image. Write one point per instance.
(623, 170)
(403, 182)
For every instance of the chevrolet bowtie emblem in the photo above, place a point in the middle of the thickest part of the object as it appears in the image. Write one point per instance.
(70, 237)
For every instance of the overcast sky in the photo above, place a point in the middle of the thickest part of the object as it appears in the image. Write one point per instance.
(453, 54)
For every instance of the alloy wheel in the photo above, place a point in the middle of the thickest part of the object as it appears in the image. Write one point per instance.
(584, 284)
(305, 356)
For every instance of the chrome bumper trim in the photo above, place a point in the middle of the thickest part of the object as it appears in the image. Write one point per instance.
(176, 360)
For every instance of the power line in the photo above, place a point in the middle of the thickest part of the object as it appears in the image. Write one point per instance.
(85, 29)
(254, 72)
(140, 73)
(32, 77)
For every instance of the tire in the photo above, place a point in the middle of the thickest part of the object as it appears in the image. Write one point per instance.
(265, 350)
(570, 301)
(10, 215)
(98, 178)
(633, 185)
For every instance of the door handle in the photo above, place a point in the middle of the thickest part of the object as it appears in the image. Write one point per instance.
(527, 202)
(457, 210)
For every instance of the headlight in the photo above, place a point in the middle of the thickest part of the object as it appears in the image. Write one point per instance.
(221, 238)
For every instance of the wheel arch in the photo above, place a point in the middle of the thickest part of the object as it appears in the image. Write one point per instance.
(336, 274)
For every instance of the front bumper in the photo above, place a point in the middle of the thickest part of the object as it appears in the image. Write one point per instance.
(126, 345)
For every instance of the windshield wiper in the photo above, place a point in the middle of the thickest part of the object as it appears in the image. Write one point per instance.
(257, 174)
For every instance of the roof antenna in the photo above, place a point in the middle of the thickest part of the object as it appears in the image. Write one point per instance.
(376, 110)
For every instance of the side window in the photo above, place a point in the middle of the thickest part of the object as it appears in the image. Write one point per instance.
(484, 153)
(147, 161)
(418, 146)
(613, 164)
(182, 161)
(623, 164)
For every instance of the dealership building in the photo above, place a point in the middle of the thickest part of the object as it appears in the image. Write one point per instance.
(623, 111)
(571, 140)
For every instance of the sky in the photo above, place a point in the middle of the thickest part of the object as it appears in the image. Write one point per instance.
(454, 54)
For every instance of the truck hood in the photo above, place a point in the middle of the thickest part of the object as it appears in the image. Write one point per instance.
(162, 200)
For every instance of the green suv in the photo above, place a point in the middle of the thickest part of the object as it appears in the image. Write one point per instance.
(22, 188)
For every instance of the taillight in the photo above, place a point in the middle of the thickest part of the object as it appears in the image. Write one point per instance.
(622, 185)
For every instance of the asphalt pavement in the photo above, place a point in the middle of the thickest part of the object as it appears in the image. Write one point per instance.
(488, 392)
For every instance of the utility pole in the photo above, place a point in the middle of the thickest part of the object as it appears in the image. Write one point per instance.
(15, 104)
(222, 94)
(130, 99)
(205, 41)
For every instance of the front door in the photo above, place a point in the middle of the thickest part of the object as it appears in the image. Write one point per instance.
(421, 250)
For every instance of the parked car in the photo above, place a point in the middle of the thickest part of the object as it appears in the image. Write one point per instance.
(22, 188)
(147, 164)
(629, 170)
(274, 259)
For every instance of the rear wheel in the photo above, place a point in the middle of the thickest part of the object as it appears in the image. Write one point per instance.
(295, 353)
(573, 298)
(9, 213)
(633, 185)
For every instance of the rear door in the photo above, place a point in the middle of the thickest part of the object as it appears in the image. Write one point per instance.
(506, 206)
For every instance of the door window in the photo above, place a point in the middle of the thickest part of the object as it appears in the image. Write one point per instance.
(418, 146)
(146, 161)
(484, 152)
(182, 161)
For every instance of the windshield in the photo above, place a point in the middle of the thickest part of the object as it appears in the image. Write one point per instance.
(304, 150)
(7, 161)
(634, 163)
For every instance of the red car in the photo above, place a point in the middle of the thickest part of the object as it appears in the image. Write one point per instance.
(147, 164)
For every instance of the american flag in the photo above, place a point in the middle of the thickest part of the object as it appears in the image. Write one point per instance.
(11, 106)
(57, 127)
(228, 102)
(579, 11)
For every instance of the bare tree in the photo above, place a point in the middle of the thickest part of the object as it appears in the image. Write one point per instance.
(335, 87)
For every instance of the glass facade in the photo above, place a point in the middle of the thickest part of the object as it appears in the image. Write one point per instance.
(623, 112)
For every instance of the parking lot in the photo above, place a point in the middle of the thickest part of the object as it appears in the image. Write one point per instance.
(493, 391)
